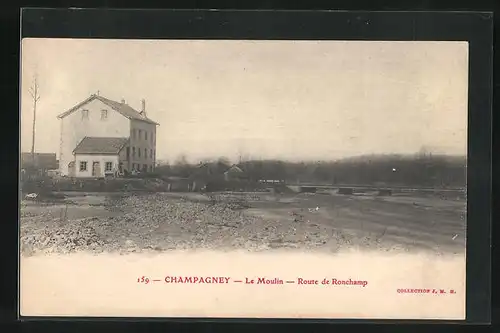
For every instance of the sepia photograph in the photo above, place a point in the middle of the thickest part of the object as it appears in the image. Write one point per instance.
(243, 178)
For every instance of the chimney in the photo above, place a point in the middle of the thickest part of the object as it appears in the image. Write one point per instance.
(143, 109)
(123, 101)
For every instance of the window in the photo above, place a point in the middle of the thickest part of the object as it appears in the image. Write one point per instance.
(145, 153)
(145, 135)
(108, 166)
(104, 114)
(139, 151)
(140, 134)
(151, 153)
(133, 151)
(128, 153)
(85, 114)
(133, 166)
(145, 167)
(83, 165)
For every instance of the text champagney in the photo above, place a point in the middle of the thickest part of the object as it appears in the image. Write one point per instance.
(197, 279)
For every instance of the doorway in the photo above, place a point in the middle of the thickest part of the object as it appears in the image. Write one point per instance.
(96, 169)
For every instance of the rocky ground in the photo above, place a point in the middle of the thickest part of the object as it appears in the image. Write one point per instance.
(159, 222)
(155, 222)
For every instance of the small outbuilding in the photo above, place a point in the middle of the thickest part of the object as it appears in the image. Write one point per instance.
(98, 157)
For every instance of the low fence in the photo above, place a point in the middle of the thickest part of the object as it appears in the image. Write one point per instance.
(135, 185)
(93, 185)
(46, 184)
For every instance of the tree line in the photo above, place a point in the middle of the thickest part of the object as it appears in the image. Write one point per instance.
(396, 170)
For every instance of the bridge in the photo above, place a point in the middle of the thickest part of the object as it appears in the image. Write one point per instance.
(358, 187)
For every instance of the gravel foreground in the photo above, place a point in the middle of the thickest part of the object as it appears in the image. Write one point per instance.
(158, 223)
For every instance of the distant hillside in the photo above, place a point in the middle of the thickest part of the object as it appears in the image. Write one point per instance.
(399, 157)
(397, 170)
(404, 170)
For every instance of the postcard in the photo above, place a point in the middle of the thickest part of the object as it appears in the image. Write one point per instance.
(243, 178)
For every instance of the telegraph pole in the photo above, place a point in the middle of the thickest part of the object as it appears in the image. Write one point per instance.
(35, 95)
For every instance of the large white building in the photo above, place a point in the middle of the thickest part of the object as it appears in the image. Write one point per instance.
(101, 136)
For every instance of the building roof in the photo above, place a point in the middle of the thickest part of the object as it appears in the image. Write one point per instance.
(95, 145)
(234, 169)
(122, 108)
(205, 169)
(42, 160)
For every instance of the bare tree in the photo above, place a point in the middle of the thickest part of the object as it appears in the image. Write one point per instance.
(224, 161)
(33, 90)
(243, 158)
(181, 160)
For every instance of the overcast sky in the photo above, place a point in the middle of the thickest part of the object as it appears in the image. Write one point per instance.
(263, 99)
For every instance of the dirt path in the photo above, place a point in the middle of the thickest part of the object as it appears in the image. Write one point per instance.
(314, 222)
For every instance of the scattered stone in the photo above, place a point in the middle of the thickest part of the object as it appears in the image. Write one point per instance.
(158, 222)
